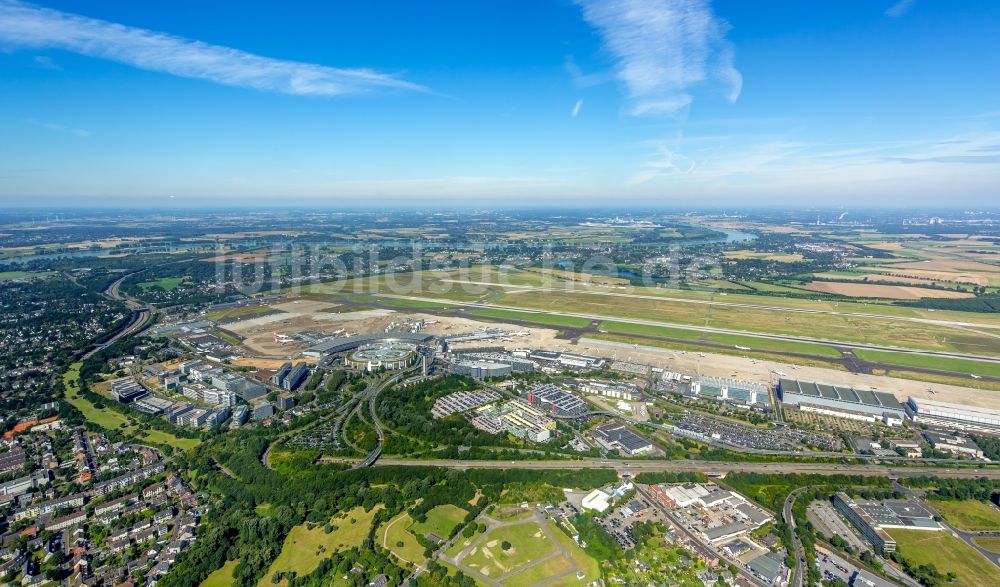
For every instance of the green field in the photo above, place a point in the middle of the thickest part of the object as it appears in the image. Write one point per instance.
(167, 283)
(947, 553)
(395, 532)
(440, 521)
(5, 275)
(990, 543)
(304, 548)
(528, 543)
(969, 514)
(870, 323)
(754, 343)
(221, 577)
(112, 420)
(533, 317)
(552, 567)
(925, 362)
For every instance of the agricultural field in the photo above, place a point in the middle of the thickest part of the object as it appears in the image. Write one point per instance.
(779, 257)
(891, 292)
(971, 515)
(947, 554)
(307, 544)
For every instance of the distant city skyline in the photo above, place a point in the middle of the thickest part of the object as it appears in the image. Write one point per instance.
(652, 103)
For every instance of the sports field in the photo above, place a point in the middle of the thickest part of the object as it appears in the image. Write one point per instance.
(947, 554)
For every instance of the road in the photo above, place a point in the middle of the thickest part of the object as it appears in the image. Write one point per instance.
(141, 315)
(697, 543)
(643, 322)
(800, 557)
(871, 470)
(963, 535)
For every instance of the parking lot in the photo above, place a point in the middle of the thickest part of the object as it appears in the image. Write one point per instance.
(827, 521)
(758, 438)
(619, 522)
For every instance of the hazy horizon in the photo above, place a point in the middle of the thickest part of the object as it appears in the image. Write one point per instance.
(685, 103)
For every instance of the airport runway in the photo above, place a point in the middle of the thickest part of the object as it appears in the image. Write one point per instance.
(805, 339)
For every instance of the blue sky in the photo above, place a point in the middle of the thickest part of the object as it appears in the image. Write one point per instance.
(542, 102)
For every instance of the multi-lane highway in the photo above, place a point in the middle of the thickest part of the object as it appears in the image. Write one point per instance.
(870, 470)
(141, 315)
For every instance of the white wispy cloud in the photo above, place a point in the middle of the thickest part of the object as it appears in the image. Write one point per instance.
(663, 49)
(45, 62)
(60, 128)
(27, 26)
(576, 108)
(899, 8)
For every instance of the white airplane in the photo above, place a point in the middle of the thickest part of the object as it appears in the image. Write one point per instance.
(701, 354)
(743, 348)
(974, 376)
(780, 373)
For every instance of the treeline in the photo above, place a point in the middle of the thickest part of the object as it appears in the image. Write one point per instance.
(298, 494)
(987, 304)
(940, 488)
(989, 444)
(407, 411)
(649, 478)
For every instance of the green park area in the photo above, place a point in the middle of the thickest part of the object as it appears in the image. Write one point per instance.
(440, 521)
(308, 544)
(948, 555)
(221, 577)
(969, 514)
(399, 535)
(397, 538)
(525, 543)
(165, 283)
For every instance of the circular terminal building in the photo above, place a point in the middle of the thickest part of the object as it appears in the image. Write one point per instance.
(388, 355)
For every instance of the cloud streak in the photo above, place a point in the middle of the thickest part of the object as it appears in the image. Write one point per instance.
(663, 49)
(27, 26)
(576, 108)
(899, 8)
(61, 129)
